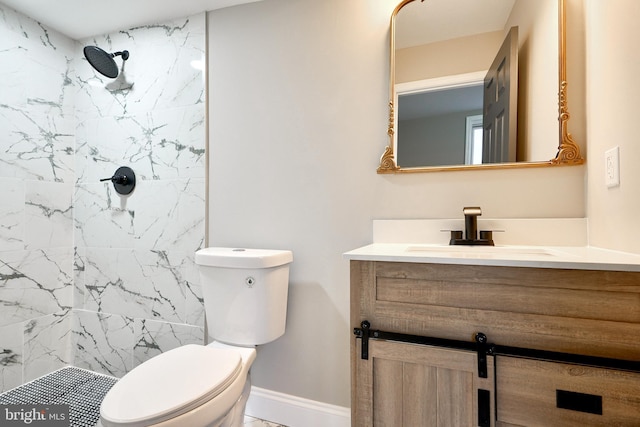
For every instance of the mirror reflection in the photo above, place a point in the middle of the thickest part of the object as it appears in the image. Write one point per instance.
(440, 127)
(446, 52)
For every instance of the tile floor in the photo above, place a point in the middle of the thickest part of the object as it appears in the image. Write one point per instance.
(254, 422)
(81, 390)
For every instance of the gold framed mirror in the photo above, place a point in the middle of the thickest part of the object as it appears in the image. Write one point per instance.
(568, 152)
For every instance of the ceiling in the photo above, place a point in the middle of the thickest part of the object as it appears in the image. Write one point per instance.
(79, 19)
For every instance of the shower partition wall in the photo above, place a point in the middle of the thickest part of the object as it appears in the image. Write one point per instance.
(36, 189)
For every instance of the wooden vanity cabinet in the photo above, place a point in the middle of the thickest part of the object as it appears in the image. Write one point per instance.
(583, 312)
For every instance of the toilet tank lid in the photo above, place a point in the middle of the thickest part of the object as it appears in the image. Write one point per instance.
(243, 258)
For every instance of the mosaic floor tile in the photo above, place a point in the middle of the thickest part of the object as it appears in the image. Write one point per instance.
(82, 390)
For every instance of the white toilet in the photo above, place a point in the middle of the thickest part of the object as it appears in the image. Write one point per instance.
(245, 299)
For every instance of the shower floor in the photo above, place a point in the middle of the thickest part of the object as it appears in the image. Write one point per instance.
(82, 390)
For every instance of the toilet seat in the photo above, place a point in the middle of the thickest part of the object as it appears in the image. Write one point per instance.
(170, 384)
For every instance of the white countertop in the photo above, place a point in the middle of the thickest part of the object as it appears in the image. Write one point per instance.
(565, 257)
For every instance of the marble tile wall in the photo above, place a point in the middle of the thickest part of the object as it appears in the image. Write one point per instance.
(88, 277)
(135, 293)
(37, 180)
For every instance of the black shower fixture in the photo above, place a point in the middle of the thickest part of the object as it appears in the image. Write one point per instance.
(124, 180)
(103, 61)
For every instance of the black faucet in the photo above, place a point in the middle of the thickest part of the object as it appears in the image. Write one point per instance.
(471, 215)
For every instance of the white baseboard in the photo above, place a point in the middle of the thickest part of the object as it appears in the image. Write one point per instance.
(293, 411)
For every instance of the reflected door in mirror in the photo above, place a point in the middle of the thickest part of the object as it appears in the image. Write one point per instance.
(500, 103)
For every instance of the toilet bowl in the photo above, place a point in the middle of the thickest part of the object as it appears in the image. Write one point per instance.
(245, 292)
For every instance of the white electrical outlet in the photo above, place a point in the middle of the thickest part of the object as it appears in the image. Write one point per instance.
(612, 167)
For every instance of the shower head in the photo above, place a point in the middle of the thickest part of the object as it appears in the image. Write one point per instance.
(103, 61)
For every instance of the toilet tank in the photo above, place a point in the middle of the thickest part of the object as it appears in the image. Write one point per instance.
(245, 293)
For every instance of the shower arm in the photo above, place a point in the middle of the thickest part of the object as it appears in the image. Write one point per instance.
(124, 54)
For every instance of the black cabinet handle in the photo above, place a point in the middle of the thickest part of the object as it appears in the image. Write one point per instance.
(484, 408)
(581, 402)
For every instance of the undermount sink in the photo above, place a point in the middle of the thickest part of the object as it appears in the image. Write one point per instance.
(483, 251)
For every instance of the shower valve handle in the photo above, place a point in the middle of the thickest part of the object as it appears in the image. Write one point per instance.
(124, 180)
(117, 179)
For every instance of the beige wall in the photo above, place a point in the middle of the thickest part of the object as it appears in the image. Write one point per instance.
(298, 118)
(456, 56)
(613, 66)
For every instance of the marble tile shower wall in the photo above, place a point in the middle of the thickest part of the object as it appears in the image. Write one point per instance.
(136, 293)
(88, 277)
(36, 192)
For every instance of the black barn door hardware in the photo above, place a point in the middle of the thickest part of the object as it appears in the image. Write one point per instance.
(365, 332)
(484, 348)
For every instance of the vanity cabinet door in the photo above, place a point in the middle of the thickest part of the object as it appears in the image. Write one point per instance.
(413, 385)
(540, 393)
